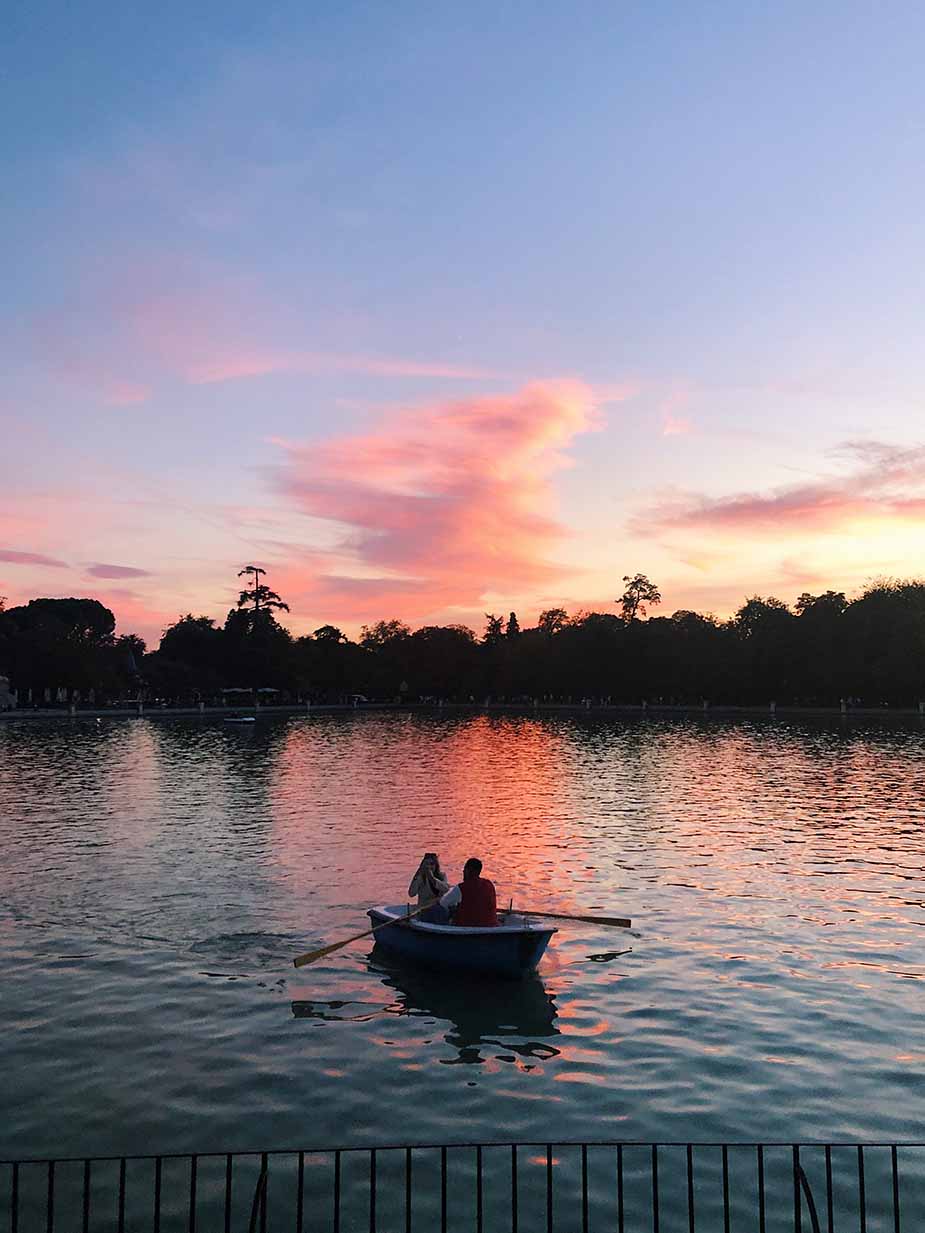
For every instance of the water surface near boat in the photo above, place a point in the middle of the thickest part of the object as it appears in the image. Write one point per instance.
(157, 877)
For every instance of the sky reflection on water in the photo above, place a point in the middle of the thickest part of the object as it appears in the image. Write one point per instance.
(158, 877)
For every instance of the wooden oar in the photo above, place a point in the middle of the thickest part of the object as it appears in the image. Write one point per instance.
(312, 955)
(619, 922)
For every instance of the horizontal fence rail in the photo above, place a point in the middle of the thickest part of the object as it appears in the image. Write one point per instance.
(590, 1187)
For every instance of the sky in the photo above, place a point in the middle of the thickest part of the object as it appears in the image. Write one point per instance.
(439, 310)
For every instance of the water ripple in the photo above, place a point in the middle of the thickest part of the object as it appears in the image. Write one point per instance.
(156, 878)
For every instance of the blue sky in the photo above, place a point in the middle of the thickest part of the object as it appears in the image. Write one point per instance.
(232, 234)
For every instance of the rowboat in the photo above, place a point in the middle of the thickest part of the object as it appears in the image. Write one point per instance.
(240, 719)
(512, 948)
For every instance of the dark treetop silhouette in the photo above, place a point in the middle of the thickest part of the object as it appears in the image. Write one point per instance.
(822, 649)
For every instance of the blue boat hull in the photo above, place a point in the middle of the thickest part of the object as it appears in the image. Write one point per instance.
(509, 950)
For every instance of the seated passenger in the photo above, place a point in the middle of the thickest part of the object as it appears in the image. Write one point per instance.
(474, 898)
(429, 883)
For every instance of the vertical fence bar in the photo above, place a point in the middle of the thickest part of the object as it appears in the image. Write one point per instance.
(50, 1207)
(478, 1189)
(14, 1200)
(158, 1165)
(260, 1191)
(121, 1216)
(761, 1227)
(829, 1201)
(337, 1192)
(300, 1195)
(862, 1192)
(654, 1188)
(192, 1192)
(548, 1188)
(443, 1190)
(895, 1163)
(407, 1190)
(801, 1191)
(620, 1188)
(584, 1188)
(372, 1190)
(86, 1219)
(514, 1228)
(229, 1166)
(807, 1193)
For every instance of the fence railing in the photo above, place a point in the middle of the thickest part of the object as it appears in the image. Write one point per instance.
(620, 1187)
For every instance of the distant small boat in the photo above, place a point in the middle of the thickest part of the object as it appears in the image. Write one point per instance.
(240, 719)
(513, 948)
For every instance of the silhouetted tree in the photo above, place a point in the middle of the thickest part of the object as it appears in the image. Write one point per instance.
(552, 620)
(494, 629)
(831, 603)
(885, 642)
(130, 653)
(61, 644)
(638, 593)
(329, 633)
(257, 650)
(260, 595)
(444, 658)
(871, 648)
(374, 637)
(189, 660)
(334, 666)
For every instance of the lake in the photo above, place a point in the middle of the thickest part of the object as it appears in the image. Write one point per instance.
(159, 876)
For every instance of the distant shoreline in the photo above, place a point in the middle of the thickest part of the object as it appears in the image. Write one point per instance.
(769, 710)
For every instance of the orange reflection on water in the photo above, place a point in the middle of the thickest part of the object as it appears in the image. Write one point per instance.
(575, 1011)
(359, 802)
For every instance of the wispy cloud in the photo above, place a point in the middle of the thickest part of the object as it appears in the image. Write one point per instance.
(90, 372)
(116, 571)
(120, 344)
(117, 392)
(30, 558)
(675, 426)
(441, 504)
(259, 364)
(885, 482)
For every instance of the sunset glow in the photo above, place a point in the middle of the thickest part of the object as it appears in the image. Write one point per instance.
(433, 317)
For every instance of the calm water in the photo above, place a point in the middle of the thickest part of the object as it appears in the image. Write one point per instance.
(158, 877)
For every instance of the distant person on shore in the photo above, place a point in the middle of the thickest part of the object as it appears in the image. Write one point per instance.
(474, 898)
(430, 883)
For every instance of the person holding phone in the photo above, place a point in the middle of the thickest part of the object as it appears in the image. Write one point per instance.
(430, 883)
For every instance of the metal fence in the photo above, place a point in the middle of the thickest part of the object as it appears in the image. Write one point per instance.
(589, 1187)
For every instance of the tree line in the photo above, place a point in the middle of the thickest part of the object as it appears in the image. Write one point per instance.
(819, 650)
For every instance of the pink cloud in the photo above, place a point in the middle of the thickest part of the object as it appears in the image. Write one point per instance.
(245, 364)
(215, 334)
(117, 571)
(887, 482)
(30, 558)
(119, 343)
(673, 426)
(440, 504)
(88, 367)
(117, 392)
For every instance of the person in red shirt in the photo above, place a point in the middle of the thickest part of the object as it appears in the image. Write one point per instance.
(474, 898)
